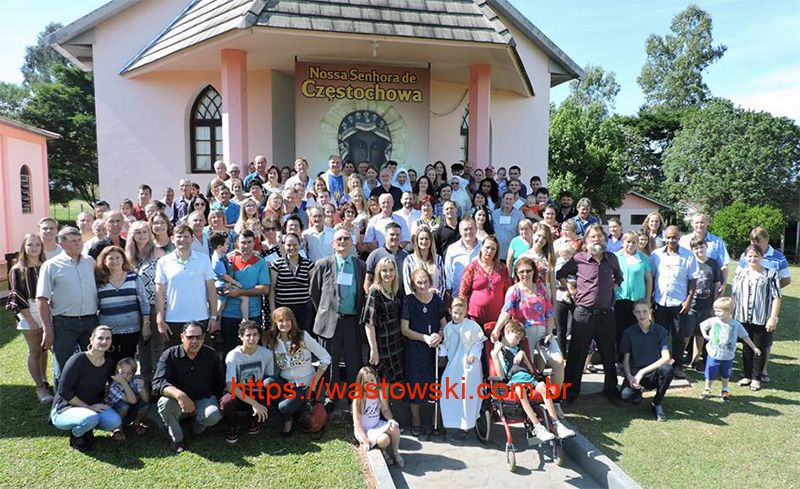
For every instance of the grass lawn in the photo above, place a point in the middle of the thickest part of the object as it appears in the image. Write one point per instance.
(34, 454)
(67, 214)
(751, 441)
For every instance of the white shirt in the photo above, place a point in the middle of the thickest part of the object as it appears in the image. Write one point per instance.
(411, 218)
(671, 275)
(297, 368)
(186, 286)
(456, 260)
(318, 244)
(376, 229)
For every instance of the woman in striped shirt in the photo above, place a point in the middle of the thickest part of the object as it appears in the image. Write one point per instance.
(757, 297)
(290, 277)
(122, 301)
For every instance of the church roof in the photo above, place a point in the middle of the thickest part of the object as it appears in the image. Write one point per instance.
(474, 21)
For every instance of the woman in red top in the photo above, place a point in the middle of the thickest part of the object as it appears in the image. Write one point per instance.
(484, 284)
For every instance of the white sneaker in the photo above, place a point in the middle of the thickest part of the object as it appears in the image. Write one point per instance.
(563, 432)
(542, 433)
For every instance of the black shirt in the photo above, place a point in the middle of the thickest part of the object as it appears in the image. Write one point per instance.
(645, 348)
(444, 236)
(98, 247)
(83, 380)
(199, 378)
(397, 194)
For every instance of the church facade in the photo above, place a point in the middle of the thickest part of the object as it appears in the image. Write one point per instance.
(180, 85)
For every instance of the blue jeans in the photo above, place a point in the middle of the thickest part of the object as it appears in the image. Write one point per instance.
(83, 420)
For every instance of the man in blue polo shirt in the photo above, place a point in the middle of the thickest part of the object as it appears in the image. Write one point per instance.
(231, 209)
(774, 260)
(252, 272)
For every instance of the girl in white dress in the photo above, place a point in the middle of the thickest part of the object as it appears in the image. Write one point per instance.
(368, 427)
(462, 345)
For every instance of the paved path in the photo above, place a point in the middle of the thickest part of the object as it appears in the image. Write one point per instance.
(437, 464)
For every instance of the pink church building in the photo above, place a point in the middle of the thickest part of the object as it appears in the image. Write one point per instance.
(24, 187)
(180, 84)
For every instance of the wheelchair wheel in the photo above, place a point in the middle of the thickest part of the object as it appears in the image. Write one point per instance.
(558, 453)
(511, 457)
(483, 426)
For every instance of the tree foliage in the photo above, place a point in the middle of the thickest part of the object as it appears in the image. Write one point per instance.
(673, 72)
(12, 99)
(588, 154)
(734, 222)
(66, 106)
(726, 154)
(596, 86)
(41, 60)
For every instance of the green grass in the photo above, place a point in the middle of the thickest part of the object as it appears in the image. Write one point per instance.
(66, 214)
(749, 442)
(34, 454)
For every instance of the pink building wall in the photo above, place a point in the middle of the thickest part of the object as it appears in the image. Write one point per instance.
(20, 147)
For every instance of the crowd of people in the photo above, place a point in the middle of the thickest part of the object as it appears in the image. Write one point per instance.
(283, 277)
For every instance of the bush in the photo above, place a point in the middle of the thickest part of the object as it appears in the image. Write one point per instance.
(734, 222)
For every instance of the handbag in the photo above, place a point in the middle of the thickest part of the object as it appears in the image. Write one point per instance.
(313, 418)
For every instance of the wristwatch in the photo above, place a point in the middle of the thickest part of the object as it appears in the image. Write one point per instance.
(213, 318)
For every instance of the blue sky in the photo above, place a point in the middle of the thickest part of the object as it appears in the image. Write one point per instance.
(761, 69)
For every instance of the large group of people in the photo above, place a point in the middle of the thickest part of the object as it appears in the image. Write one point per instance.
(283, 278)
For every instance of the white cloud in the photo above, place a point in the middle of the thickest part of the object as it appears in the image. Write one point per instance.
(782, 102)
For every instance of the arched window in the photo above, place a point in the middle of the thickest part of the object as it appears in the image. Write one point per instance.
(206, 130)
(25, 189)
(463, 141)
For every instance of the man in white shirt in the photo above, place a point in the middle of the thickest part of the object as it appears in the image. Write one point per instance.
(376, 227)
(460, 254)
(407, 213)
(301, 177)
(674, 271)
(318, 236)
(184, 288)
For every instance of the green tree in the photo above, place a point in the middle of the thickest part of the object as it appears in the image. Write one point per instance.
(588, 154)
(41, 60)
(66, 107)
(12, 99)
(673, 72)
(595, 86)
(652, 131)
(726, 154)
(734, 222)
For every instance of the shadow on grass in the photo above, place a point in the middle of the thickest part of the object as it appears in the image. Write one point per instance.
(8, 328)
(596, 418)
(25, 418)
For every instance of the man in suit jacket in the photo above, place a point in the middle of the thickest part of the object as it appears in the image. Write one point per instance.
(337, 291)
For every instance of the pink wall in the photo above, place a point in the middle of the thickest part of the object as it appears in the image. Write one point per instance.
(19, 147)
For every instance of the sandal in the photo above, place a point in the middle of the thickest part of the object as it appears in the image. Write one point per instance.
(706, 394)
(755, 385)
(744, 382)
(416, 430)
(398, 459)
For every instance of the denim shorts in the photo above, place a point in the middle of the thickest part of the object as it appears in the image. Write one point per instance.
(725, 368)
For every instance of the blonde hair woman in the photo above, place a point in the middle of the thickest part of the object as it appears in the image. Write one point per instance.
(381, 319)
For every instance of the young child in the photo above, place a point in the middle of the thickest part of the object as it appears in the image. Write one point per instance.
(255, 225)
(222, 269)
(709, 281)
(517, 369)
(531, 208)
(462, 346)
(721, 333)
(128, 398)
(368, 426)
(126, 207)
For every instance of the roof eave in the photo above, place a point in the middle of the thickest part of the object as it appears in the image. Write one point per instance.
(26, 127)
(60, 39)
(536, 36)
